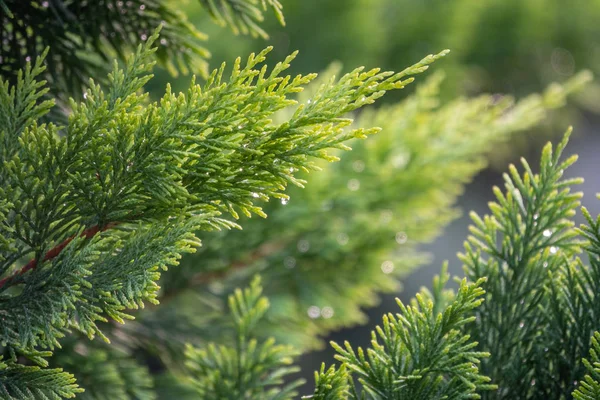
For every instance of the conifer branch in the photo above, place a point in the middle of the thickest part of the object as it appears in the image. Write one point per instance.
(55, 251)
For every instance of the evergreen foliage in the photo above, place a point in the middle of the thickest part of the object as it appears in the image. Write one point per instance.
(243, 16)
(400, 188)
(421, 353)
(520, 330)
(590, 387)
(93, 211)
(83, 37)
(251, 369)
(498, 46)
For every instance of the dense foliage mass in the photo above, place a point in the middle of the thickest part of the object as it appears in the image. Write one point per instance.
(97, 210)
(519, 326)
(103, 204)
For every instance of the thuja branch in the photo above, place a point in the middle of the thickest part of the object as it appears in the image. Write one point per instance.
(55, 251)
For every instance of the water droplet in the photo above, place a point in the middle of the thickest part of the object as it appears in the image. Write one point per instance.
(45, 4)
(342, 239)
(545, 264)
(314, 312)
(255, 195)
(387, 267)
(562, 61)
(533, 382)
(354, 184)
(327, 312)
(303, 246)
(547, 233)
(284, 201)
(400, 160)
(327, 205)
(401, 237)
(85, 95)
(386, 216)
(553, 249)
(289, 262)
(143, 36)
(358, 166)
(536, 216)
(546, 349)
(27, 59)
(163, 41)
(521, 325)
(308, 101)
(142, 7)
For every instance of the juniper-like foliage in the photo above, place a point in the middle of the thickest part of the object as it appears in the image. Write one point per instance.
(522, 330)
(353, 230)
(421, 352)
(249, 369)
(93, 211)
(83, 37)
(243, 16)
(589, 388)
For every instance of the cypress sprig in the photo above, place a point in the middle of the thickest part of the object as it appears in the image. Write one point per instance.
(248, 369)
(421, 353)
(95, 210)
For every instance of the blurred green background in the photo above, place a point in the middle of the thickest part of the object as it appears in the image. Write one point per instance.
(498, 46)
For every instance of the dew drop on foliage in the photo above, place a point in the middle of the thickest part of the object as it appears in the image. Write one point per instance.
(400, 160)
(547, 233)
(284, 201)
(354, 184)
(142, 7)
(342, 239)
(401, 237)
(386, 216)
(521, 325)
(358, 166)
(553, 249)
(303, 246)
(562, 61)
(289, 262)
(387, 267)
(327, 312)
(314, 312)
(255, 195)
(327, 205)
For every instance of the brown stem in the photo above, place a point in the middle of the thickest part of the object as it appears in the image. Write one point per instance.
(55, 251)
